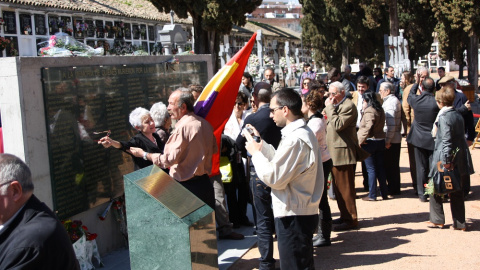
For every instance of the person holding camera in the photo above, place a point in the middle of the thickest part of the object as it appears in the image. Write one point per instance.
(261, 193)
(294, 172)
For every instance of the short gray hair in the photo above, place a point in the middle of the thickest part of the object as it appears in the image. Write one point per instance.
(136, 116)
(423, 69)
(388, 86)
(186, 97)
(159, 113)
(13, 168)
(338, 85)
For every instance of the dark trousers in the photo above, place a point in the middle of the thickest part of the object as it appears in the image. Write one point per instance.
(413, 165)
(325, 212)
(262, 201)
(237, 200)
(295, 245)
(457, 206)
(392, 168)
(344, 178)
(201, 187)
(375, 167)
(423, 158)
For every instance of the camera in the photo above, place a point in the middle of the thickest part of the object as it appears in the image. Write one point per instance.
(249, 130)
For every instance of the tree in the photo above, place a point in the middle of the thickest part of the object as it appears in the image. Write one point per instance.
(418, 22)
(211, 19)
(339, 31)
(458, 28)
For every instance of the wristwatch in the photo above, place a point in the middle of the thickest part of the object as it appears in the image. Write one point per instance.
(145, 155)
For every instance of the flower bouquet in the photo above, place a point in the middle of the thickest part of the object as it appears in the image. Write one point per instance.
(84, 244)
(268, 61)
(4, 43)
(253, 63)
(62, 44)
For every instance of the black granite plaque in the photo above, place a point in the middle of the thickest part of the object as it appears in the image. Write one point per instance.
(12, 49)
(151, 35)
(53, 24)
(135, 31)
(128, 31)
(10, 26)
(99, 28)
(81, 101)
(143, 31)
(90, 28)
(109, 30)
(40, 28)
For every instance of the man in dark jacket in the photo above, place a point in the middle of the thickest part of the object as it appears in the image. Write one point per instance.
(31, 237)
(420, 136)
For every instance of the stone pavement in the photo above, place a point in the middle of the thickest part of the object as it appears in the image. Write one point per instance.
(392, 234)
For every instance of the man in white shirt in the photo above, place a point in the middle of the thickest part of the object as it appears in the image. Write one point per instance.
(295, 174)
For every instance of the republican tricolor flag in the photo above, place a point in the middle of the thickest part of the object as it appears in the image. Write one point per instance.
(216, 101)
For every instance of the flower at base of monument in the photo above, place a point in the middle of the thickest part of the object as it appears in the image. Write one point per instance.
(76, 230)
(253, 71)
(300, 66)
(293, 66)
(4, 42)
(268, 61)
(253, 61)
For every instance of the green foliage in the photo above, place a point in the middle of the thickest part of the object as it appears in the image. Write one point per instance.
(417, 20)
(211, 18)
(457, 21)
(344, 27)
(360, 25)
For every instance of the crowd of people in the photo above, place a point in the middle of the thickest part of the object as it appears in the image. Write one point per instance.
(282, 145)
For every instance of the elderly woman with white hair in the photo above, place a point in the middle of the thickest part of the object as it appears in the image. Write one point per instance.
(162, 120)
(147, 139)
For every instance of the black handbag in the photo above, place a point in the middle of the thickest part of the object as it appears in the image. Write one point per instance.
(445, 181)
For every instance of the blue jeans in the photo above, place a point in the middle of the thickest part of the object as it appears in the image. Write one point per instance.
(262, 200)
(375, 167)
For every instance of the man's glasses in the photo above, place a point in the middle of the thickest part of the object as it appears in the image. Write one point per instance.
(272, 110)
(240, 103)
(333, 94)
(6, 183)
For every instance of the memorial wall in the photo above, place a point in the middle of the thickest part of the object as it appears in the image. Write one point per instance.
(82, 104)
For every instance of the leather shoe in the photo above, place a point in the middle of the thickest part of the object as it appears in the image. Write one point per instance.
(435, 225)
(337, 221)
(423, 199)
(345, 227)
(459, 229)
(368, 199)
(233, 236)
(321, 242)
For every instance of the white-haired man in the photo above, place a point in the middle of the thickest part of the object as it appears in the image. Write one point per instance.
(393, 109)
(343, 146)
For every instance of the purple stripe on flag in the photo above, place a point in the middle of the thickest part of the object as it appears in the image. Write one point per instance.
(203, 107)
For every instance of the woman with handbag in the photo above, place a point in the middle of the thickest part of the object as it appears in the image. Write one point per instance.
(450, 154)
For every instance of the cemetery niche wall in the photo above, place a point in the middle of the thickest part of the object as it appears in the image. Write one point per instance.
(85, 103)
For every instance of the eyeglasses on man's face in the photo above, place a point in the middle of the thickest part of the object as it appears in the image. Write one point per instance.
(272, 110)
(6, 183)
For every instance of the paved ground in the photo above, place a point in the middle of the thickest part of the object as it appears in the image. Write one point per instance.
(392, 234)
